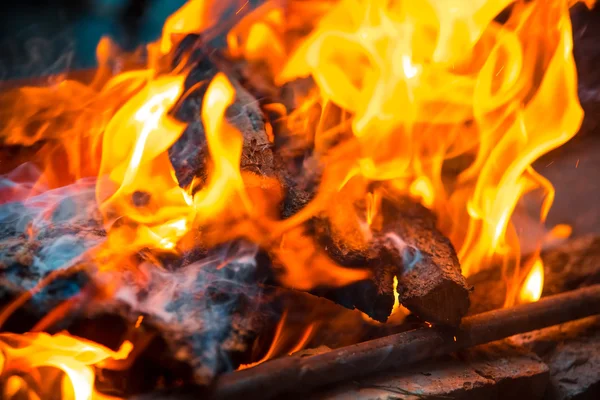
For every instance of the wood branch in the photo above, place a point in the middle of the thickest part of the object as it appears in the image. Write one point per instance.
(293, 374)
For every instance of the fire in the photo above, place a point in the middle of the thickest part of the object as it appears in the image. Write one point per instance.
(531, 290)
(22, 354)
(424, 91)
(280, 340)
(396, 296)
(439, 100)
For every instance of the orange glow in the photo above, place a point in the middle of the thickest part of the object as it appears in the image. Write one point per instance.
(373, 203)
(75, 357)
(469, 92)
(396, 296)
(432, 99)
(281, 340)
(560, 231)
(531, 290)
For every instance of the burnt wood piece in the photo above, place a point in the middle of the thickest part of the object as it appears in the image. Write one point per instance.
(571, 352)
(373, 296)
(406, 244)
(492, 371)
(296, 374)
(431, 284)
(39, 237)
(570, 265)
(189, 154)
(202, 317)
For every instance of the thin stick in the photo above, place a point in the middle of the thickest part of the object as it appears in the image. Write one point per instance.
(297, 374)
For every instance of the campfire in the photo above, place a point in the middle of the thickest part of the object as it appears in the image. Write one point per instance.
(276, 193)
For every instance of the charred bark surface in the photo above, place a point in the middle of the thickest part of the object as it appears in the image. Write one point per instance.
(408, 245)
(189, 155)
(431, 284)
(199, 319)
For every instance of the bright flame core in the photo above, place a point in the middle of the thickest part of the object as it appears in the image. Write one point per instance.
(531, 290)
(75, 357)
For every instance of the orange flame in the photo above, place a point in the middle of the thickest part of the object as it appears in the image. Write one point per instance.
(75, 357)
(437, 81)
(280, 341)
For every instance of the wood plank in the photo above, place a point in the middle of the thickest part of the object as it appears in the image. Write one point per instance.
(572, 352)
(494, 371)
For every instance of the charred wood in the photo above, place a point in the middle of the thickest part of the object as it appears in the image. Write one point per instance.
(406, 244)
(197, 320)
(432, 287)
(189, 155)
(431, 284)
(373, 296)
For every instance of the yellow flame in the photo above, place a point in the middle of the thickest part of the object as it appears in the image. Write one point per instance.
(281, 340)
(531, 291)
(396, 296)
(422, 189)
(225, 147)
(75, 357)
(433, 81)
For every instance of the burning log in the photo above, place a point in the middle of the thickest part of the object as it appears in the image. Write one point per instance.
(431, 284)
(189, 155)
(197, 320)
(294, 374)
(408, 245)
(432, 287)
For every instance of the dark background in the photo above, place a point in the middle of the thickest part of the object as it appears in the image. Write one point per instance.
(46, 37)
